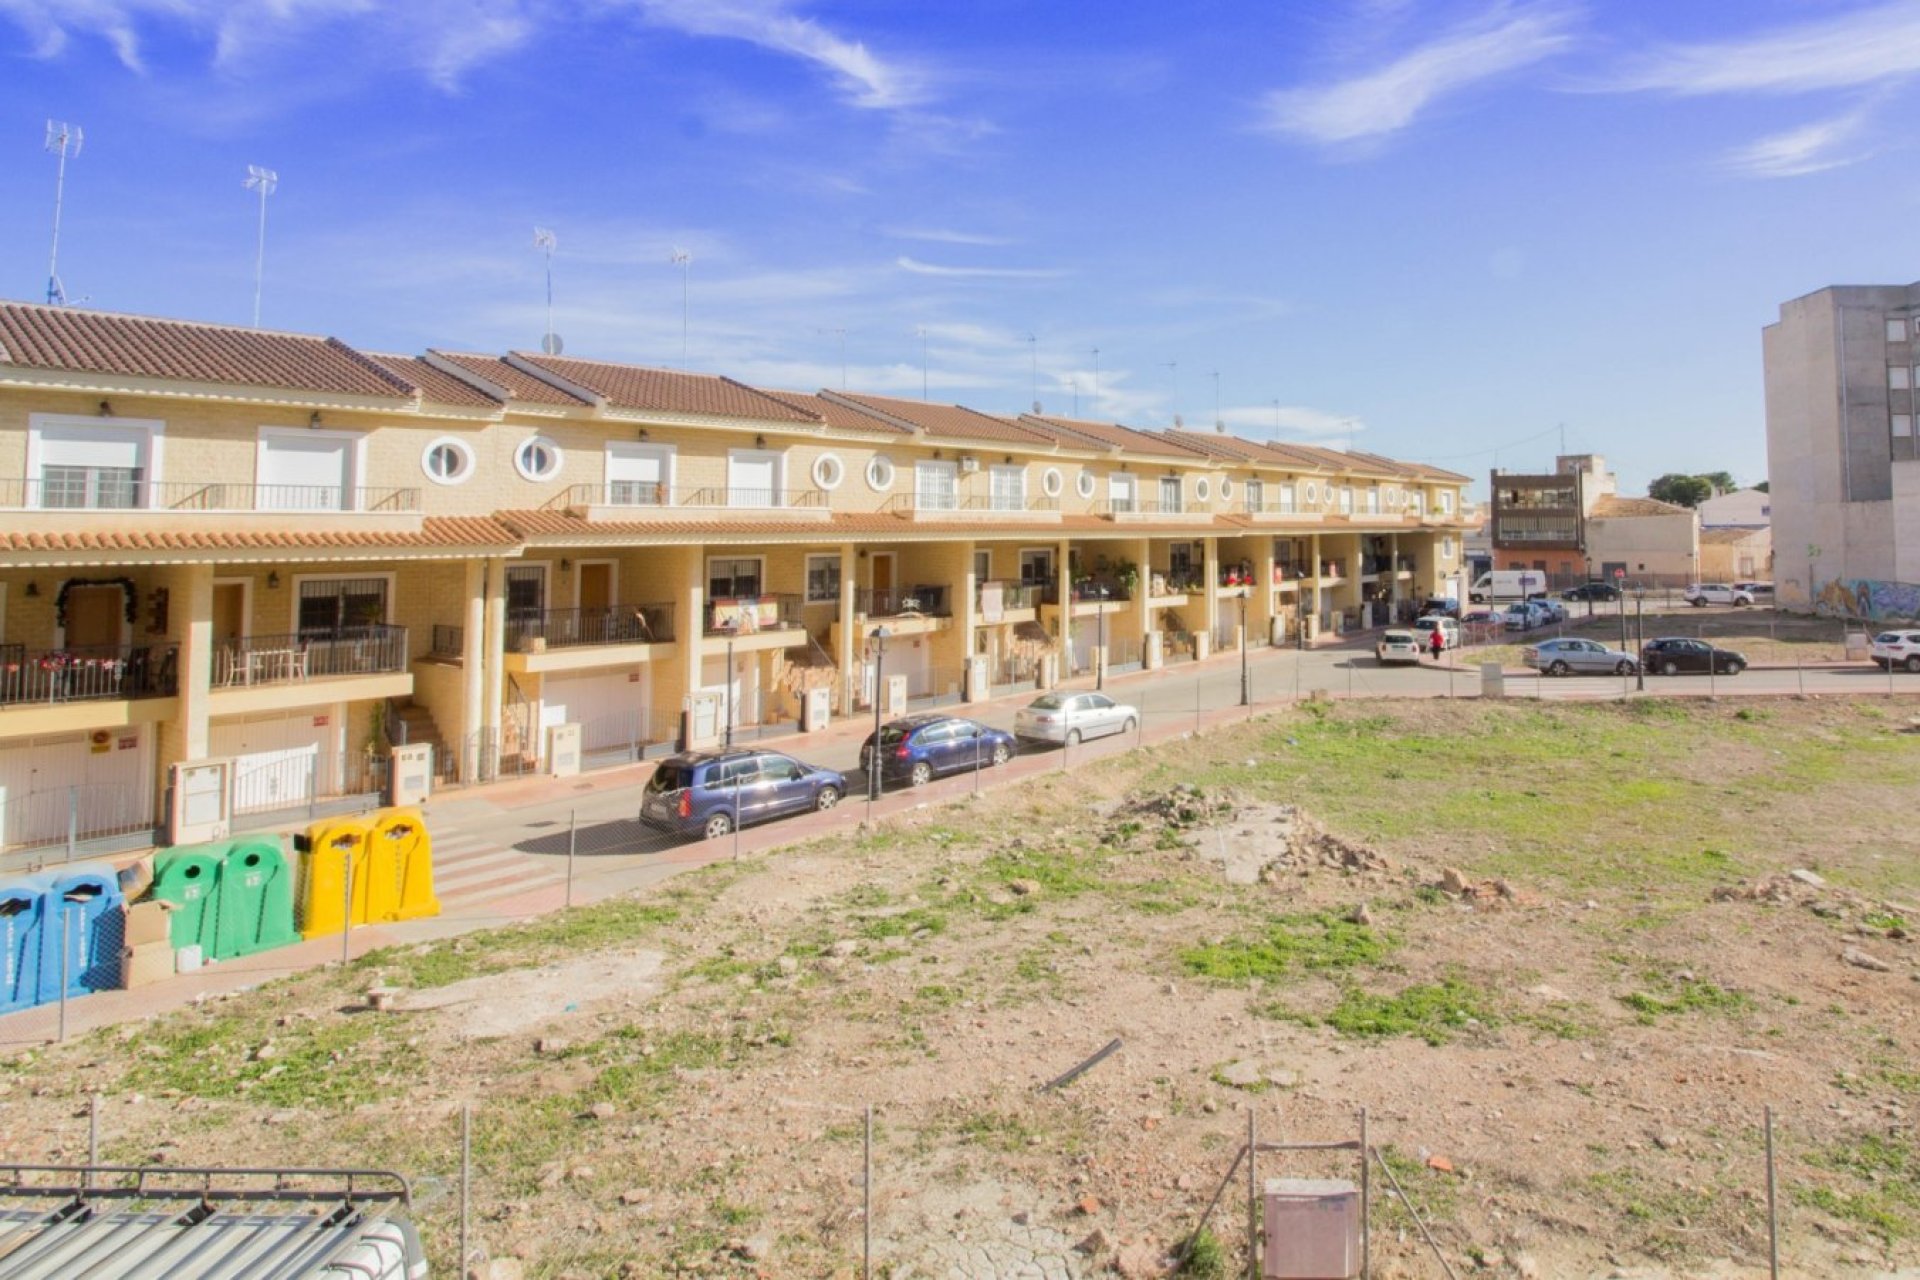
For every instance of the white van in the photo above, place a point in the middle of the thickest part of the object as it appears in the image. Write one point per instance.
(1508, 584)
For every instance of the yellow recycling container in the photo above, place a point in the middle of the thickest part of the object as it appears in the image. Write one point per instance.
(334, 848)
(400, 852)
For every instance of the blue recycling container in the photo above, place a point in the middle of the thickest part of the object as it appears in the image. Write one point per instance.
(86, 910)
(23, 910)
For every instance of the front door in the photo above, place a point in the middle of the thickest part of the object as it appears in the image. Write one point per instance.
(882, 580)
(596, 586)
(95, 616)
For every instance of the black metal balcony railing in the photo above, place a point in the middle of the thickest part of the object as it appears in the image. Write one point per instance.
(115, 493)
(1333, 568)
(1089, 593)
(922, 599)
(88, 673)
(449, 641)
(1015, 595)
(596, 625)
(312, 655)
(1175, 582)
(647, 493)
(749, 615)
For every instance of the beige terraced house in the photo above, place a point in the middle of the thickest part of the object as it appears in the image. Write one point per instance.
(280, 552)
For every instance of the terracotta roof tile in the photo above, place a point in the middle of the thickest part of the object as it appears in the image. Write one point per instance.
(435, 385)
(435, 532)
(1731, 535)
(548, 525)
(947, 421)
(516, 382)
(1076, 432)
(840, 417)
(1609, 506)
(79, 341)
(630, 386)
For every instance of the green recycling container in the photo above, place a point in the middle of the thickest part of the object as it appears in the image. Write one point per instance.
(188, 876)
(256, 898)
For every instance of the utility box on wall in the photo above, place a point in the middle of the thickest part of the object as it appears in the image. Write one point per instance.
(1312, 1229)
(895, 705)
(978, 688)
(410, 777)
(816, 709)
(563, 750)
(1154, 655)
(199, 801)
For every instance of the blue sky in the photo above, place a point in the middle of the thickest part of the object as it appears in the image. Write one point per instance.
(1441, 230)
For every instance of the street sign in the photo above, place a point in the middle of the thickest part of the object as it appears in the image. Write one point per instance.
(1619, 574)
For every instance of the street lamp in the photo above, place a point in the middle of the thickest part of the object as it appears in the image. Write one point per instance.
(1246, 676)
(1588, 587)
(879, 677)
(732, 631)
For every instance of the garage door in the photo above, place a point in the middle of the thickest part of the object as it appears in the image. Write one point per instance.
(611, 708)
(279, 761)
(100, 783)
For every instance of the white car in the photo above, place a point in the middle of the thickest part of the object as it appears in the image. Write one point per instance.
(1702, 594)
(1423, 629)
(1897, 649)
(1525, 617)
(1067, 718)
(1397, 646)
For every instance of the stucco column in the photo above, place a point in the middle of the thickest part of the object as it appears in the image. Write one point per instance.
(691, 598)
(1311, 602)
(849, 643)
(1063, 583)
(1140, 551)
(193, 595)
(966, 619)
(1393, 567)
(1260, 608)
(494, 639)
(473, 668)
(1210, 558)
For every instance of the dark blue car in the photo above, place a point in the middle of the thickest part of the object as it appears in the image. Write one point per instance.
(919, 748)
(707, 792)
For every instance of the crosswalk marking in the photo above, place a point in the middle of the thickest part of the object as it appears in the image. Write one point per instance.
(468, 869)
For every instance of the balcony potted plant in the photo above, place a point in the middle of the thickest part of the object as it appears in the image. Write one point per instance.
(1127, 574)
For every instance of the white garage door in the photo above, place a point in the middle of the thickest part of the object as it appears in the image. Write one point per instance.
(610, 707)
(279, 761)
(101, 784)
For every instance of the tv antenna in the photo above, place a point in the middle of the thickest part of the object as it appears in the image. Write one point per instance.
(263, 181)
(1096, 380)
(1033, 350)
(546, 242)
(1219, 423)
(683, 259)
(1173, 378)
(63, 140)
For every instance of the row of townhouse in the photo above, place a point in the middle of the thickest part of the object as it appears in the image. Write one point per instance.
(278, 550)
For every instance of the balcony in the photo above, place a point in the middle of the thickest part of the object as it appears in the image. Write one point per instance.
(921, 600)
(1166, 584)
(973, 507)
(1150, 509)
(1008, 504)
(1014, 597)
(1333, 570)
(627, 500)
(1269, 508)
(1088, 593)
(97, 673)
(104, 489)
(752, 615)
(600, 625)
(299, 657)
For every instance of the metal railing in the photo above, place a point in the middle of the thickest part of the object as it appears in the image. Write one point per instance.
(1147, 507)
(755, 498)
(1088, 593)
(1176, 584)
(649, 493)
(919, 600)
(71, 822)
(599, 624)
(291, 658)
(1015, 595)
(1008, 503)
(747, 615)
(911, 502)
(87, 673)
(112, 494)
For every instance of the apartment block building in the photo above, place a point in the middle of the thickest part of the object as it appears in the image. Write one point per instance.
(282, 552)
(1841, 370)
(1572, 524)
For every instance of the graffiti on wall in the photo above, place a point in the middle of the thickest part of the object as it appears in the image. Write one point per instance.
(1869, 599)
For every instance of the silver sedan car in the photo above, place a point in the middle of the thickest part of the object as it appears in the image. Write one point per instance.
(1572, 656)
(1070, 717)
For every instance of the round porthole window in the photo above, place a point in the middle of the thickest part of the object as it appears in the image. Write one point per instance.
(1083, 484)
(447, 460)
(1313, 494)
(1202, 489)
(1226, 488)
(880, 473)
(1051, 483)
(538, 458)
(829, 471)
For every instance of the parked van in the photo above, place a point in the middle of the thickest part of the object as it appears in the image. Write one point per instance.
(1508, 584)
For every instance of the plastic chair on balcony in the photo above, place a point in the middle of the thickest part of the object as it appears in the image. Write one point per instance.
(642, 629)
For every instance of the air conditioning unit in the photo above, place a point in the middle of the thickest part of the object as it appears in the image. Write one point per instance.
(969, 463)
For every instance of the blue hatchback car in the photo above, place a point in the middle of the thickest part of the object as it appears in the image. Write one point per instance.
(917, 749)
(705, 793)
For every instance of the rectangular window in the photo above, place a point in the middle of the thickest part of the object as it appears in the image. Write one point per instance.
(526, 590)
(1446, 548)
(1373, 500)
(1256, 495)
(1009, 488)
(823, 579)
(733, 579)
(1286, 499)
(935, 487)
(299, 470)
(1419, 502)
(1446, 502)
(1896, 331)
(88, 464)
(1346, 499)
(1897, 379)
(1036, 565)
(1170, 493)
(982, 566)
(639, 475)
(1121, 493)
(754, 478)
(331, 606)
(1180, 562)
(1902, 424)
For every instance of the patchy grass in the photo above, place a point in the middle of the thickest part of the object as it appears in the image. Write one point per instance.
(1885, 1196)
(1433, 1012)
(329, 1061)
(1206, 1258)
(1683, 995)
(1314, 942)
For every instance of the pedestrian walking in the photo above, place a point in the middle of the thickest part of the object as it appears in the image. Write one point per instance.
(1438, 640)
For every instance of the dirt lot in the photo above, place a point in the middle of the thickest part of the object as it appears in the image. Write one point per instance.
(1765, 637)
(1557, 951)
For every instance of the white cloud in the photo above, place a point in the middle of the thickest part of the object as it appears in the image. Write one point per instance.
(868, 79)
(1866, 47)
(919, 268)
(1290, 421)
(1387, 100)
(942, 235)
(1812, 148)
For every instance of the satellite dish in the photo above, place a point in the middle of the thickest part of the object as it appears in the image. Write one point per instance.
(552, 345)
